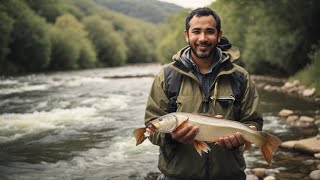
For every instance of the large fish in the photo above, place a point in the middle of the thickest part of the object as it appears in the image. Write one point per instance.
(210, 130)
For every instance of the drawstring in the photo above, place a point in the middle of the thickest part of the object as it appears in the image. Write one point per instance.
(215, 93)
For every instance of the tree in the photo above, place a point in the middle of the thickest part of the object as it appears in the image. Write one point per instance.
(6, 26)
(30, 46)
(49, 9)
(110, 47)
(71, 48)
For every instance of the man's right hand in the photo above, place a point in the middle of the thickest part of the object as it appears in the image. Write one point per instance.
(186, 134)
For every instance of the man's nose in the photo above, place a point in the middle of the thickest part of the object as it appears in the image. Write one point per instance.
(202, 37)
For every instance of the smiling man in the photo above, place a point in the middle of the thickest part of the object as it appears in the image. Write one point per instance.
(205, 80)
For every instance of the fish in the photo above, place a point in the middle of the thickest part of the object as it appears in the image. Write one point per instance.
(210, 130)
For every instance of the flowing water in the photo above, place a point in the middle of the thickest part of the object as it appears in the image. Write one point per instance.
(78, 125)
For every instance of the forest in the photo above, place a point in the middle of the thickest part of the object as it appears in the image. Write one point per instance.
(52, 35)
(278, 38)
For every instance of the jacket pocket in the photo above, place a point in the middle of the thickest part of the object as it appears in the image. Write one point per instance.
(187, 104)
(224, 105)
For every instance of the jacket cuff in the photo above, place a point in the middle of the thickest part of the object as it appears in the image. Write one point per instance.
(168, 139)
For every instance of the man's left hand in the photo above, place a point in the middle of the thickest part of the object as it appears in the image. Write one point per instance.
(232, 141)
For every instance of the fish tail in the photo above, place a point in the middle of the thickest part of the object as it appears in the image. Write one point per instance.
(270, 145)
(139, 135)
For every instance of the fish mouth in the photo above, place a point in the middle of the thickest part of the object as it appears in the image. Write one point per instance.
(152, 126)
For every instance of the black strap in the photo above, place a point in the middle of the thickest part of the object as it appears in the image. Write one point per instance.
(172, 80)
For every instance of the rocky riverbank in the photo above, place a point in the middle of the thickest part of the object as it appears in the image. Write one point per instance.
(282, 85)
(309, 146)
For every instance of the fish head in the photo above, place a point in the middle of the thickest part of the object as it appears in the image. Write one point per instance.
(166, 123)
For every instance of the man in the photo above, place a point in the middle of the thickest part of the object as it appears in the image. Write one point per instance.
(211, 84)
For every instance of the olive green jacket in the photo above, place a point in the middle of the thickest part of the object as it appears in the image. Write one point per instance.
(233, 95)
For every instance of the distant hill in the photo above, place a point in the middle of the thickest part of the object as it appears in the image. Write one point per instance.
(148, 10)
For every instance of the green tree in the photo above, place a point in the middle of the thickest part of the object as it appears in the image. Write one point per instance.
(110, 47)
(71, 48)
(30, 46)
(49, 9)
(311, 73)
(6, 26)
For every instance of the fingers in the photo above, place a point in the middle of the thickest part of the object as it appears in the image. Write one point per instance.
(231, 142)
(186, 134)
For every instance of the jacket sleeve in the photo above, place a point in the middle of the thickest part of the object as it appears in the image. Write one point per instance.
(249, 104)
(157, 105)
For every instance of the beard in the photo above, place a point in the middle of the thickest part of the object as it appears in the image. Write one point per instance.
(203, 55)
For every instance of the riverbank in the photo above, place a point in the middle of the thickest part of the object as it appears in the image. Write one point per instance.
(283, 85)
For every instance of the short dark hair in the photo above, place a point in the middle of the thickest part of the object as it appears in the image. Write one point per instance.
(204, 11)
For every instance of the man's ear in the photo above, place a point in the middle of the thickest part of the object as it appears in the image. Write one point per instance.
(219, 36)
(186, 36)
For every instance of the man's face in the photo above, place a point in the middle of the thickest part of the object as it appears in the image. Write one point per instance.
(202, 36)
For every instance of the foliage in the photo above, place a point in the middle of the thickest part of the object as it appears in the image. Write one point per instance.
(110, 48)
(6, 26)
(49, 9)
(140, 38)
(310, 75)
(30, 43)
(152, 10)
(71, 48)
(174, 40)
(60, 35)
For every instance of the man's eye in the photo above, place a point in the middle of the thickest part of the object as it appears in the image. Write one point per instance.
(196, 32)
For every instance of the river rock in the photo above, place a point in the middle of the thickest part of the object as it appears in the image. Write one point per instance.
(292, 119)
(285, 112)
(309, 92)
(317, 155)
(306, 119)
(260, 172)
(318, 166)
(308, 162)
(288, 144)
(289, 84)
(309, 145)
(252, 177)
(272, 172)
(315, 174)
(269, 178)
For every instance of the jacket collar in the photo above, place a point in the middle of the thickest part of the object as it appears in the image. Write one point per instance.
(181, 59)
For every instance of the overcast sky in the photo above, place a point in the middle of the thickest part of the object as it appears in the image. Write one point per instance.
(190, 3)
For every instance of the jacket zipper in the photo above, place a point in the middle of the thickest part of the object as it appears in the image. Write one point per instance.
(206, 103)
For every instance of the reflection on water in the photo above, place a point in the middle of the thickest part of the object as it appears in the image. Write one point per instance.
(78, 125)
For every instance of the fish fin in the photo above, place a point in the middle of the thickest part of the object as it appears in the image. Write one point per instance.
(269, 146)
(247, 146)
(182, 124)
(139, 135)
(201, 146)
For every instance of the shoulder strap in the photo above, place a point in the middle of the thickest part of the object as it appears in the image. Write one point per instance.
(172, 80)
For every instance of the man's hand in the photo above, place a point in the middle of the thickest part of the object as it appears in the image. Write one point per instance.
(186, 134)
(232, 141)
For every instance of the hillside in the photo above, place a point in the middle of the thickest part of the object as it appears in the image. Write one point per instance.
(38, 36)
(151, 10)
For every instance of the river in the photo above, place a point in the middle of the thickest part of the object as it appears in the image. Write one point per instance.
(78, 125)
